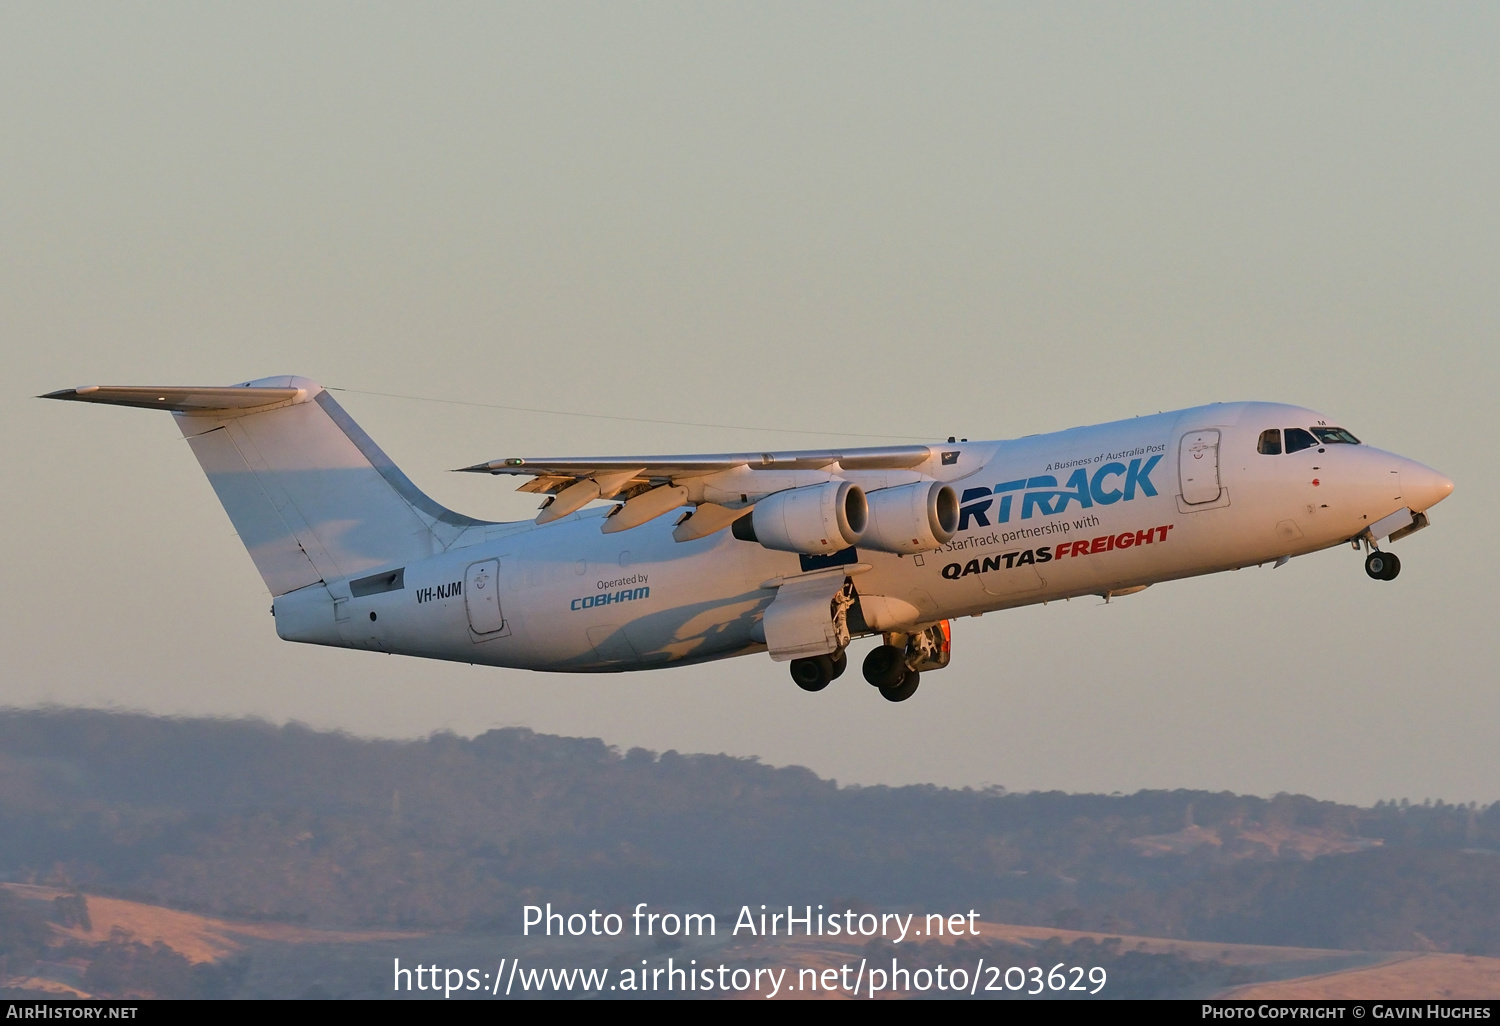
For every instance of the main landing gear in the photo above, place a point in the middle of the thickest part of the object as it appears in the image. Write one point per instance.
(895, 667)
(817, 672)
(885, 667)
(1382, 566)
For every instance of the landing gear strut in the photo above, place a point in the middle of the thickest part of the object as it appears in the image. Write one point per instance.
(1382, 566)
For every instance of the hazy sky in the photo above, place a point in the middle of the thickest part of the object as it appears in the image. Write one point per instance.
(919, 220)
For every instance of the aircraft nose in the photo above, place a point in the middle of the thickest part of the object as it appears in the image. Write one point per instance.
(1422, 486)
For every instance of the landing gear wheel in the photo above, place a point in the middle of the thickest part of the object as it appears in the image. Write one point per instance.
(1382, 566)
(813, 674)
(885, 666)
(901, 692)
(840, 664)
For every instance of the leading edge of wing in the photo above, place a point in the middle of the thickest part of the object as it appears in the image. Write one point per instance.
(882, 457)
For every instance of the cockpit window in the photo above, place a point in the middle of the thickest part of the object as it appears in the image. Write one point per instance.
(1334, 436)
(1270, 442)
(1298, 439)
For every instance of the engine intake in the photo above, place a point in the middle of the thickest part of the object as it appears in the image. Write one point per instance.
(816, 520)
(918, 517)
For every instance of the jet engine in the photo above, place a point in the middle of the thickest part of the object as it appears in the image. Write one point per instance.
(918, 517)
(816, 520)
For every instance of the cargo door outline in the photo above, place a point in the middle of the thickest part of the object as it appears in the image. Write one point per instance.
(1198, 468)
(1019, 580)
(482, 601)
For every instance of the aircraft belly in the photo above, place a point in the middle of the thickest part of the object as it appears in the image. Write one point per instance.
(597, 603)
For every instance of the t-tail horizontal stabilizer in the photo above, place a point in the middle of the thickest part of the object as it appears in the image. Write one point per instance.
(181, 400)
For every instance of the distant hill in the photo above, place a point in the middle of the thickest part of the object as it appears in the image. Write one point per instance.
(245, 820)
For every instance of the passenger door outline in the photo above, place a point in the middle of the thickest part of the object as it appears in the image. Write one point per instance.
(1198, 467)
(482, 600)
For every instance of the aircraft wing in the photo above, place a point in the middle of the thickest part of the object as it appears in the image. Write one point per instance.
(879, 457)
(655, 484)
(551, 475)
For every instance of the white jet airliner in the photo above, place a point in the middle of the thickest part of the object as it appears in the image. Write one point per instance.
(796, 553)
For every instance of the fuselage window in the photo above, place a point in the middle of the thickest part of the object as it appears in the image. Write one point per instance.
(1334, 436)
(1298, 439)
(1270, 442)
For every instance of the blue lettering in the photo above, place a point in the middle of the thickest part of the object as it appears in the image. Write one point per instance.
(1096, 488)
(1043, 497)
(625, 595)
(1079, 482)
(1141, 475)
(977, 511)
(1007, 486)
(1039, 500)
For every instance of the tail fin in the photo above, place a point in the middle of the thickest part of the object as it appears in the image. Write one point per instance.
(311, 495)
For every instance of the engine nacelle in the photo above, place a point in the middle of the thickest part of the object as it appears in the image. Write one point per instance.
(918, 517)
(816, 520)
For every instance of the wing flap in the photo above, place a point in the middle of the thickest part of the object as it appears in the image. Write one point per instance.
(646, 483)
(546, 484)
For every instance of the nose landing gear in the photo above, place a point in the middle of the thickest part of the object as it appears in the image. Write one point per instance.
(1382, 566)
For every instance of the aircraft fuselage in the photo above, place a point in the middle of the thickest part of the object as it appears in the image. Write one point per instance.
(1098, 510)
